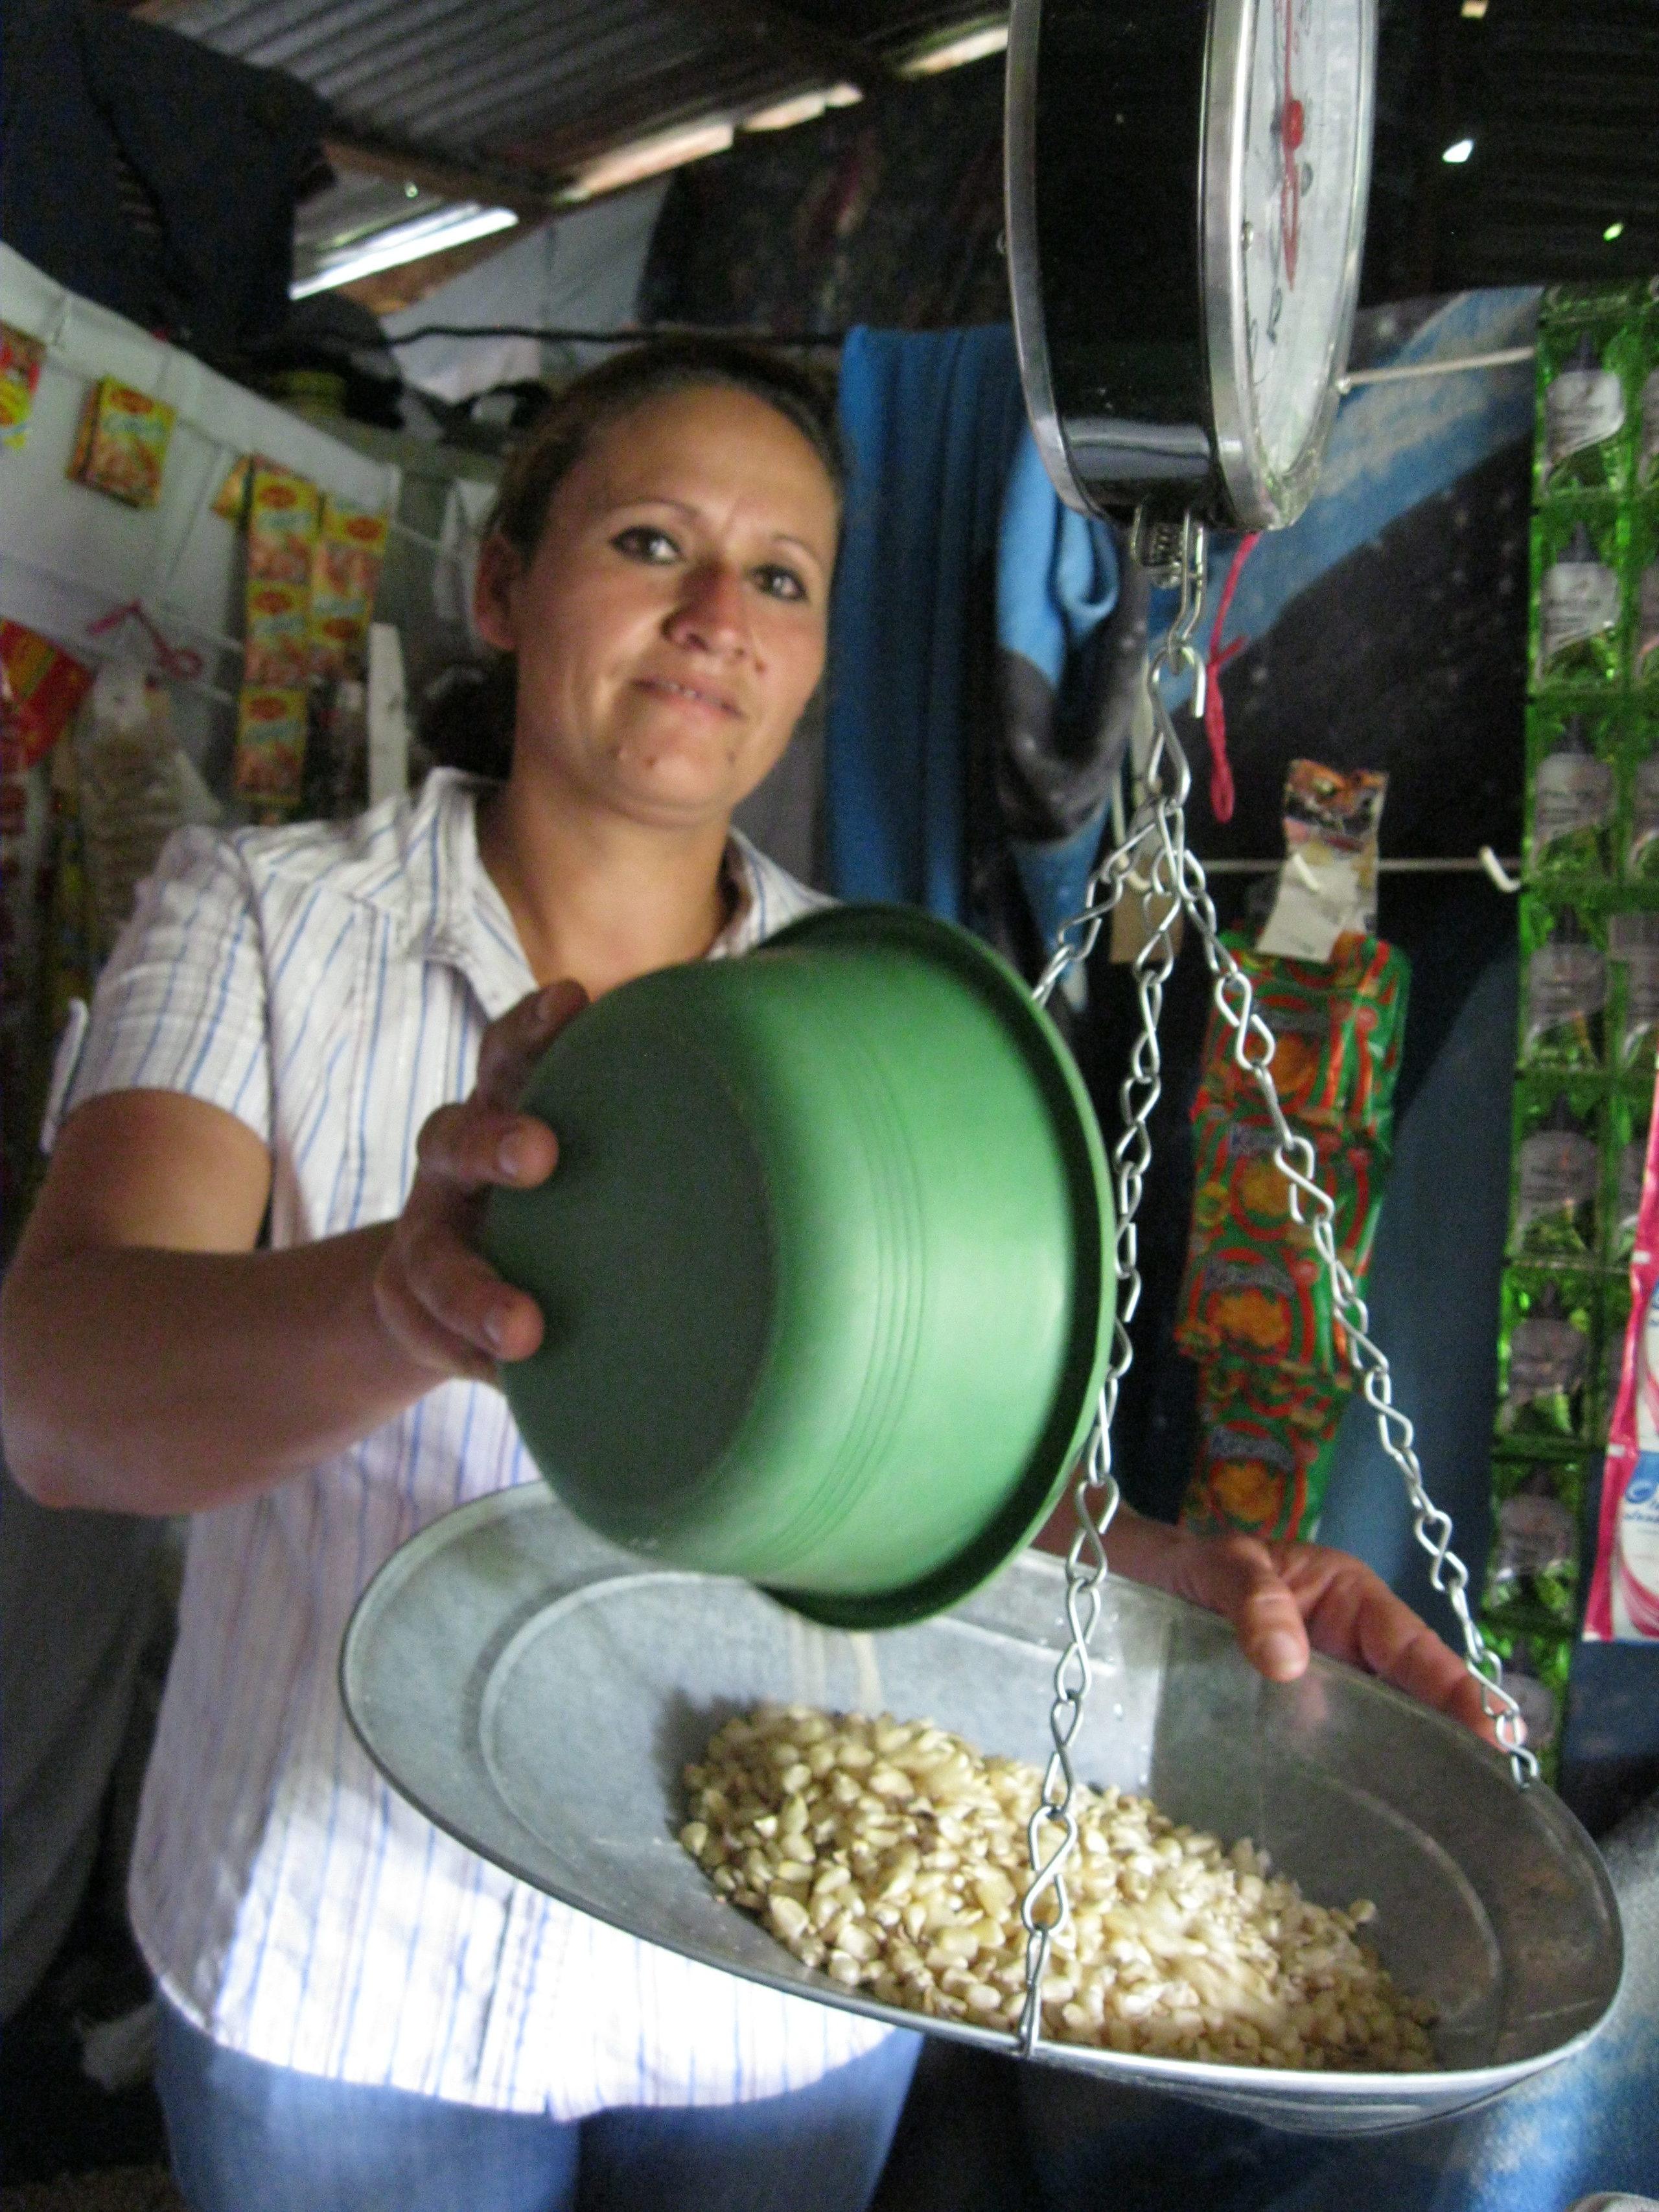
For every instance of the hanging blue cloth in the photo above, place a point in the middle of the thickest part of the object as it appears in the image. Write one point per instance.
(930, 419)
(953, 529)
(1057, 582)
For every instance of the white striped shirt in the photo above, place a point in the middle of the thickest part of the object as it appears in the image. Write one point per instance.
(328, 984)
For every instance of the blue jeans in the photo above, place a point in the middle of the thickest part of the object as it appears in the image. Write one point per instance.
(249, 2138)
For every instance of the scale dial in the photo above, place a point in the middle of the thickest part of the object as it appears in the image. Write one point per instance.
(1187, 187)
(1285, 151)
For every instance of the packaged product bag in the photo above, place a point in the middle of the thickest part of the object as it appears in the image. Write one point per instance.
(121, 444)
(1264, 1449)
(1578, 599)
(1571, 797)
(1564, 995)
(1585, 370)
(1623, 1598)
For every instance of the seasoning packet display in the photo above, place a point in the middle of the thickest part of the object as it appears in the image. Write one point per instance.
(1578, 636)
(345, 573)
(121, 444)
(1533, 1565)
(1570, 795)
(278, 643)
(21, 361)
(230, 500)
(1586, 375)
(1555, 1212)
(1633, 965)
(1546, 1357)
(1264, 1444)
(271, 745)
(1564, 993)
(283, 517)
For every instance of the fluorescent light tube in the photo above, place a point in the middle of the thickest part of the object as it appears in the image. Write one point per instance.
(457, 225)
(971, 44)
(802, 107)
(649, 157)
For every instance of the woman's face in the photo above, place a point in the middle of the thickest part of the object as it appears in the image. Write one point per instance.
(671, 626)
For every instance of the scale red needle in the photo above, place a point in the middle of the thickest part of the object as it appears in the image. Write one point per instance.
(1292, 129)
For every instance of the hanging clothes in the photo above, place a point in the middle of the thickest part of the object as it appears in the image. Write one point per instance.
(930, 420)
(978, 707)
(1065, 684)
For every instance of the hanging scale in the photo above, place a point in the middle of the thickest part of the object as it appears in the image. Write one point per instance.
(1155, 860)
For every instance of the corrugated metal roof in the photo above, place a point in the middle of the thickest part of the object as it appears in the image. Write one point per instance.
(541, 87)
(517, 96)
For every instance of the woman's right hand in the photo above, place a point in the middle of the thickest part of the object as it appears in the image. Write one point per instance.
(437, 1297)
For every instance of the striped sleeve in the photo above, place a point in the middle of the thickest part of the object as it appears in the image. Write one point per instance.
(182, 1004)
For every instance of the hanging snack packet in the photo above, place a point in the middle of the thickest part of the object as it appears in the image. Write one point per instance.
(284, 514)
(345, 573)
(21, 360)
(1264, 1452)
(1578, 602)
(1633, 956)
(1532, 1569)
(1584, 442)
(1571, 804)
(1557, 1173)
(1544, 1358)
(1238, 1190)
(1338, 1029)
(1327, 888)
(271, 748)
(121, 444)
(1247, 1298)
(43, 688)
(1564, 989)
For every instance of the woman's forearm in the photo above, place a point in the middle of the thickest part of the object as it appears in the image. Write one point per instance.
(161, 1382)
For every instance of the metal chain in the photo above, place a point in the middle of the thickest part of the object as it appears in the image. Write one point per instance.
(1051, 1835)
(1154, 862)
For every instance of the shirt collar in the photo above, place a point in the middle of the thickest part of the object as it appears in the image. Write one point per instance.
(451, 911)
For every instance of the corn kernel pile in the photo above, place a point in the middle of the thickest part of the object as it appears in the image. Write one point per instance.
(893, 1857)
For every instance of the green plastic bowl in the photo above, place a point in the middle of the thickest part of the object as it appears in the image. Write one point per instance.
(825, 1265)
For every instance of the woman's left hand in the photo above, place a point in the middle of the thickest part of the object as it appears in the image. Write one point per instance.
(1284, 1598)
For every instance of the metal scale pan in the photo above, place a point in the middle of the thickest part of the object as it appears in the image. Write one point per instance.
(537, 1691)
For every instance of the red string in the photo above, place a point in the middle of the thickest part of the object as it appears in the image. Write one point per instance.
(1223, 796)
(177, 662)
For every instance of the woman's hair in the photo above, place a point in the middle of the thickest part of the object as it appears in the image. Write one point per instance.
(467, 716)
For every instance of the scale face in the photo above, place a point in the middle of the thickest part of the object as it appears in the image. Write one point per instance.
(1187, 184)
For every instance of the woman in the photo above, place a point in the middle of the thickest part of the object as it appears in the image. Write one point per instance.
(356, 2009)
